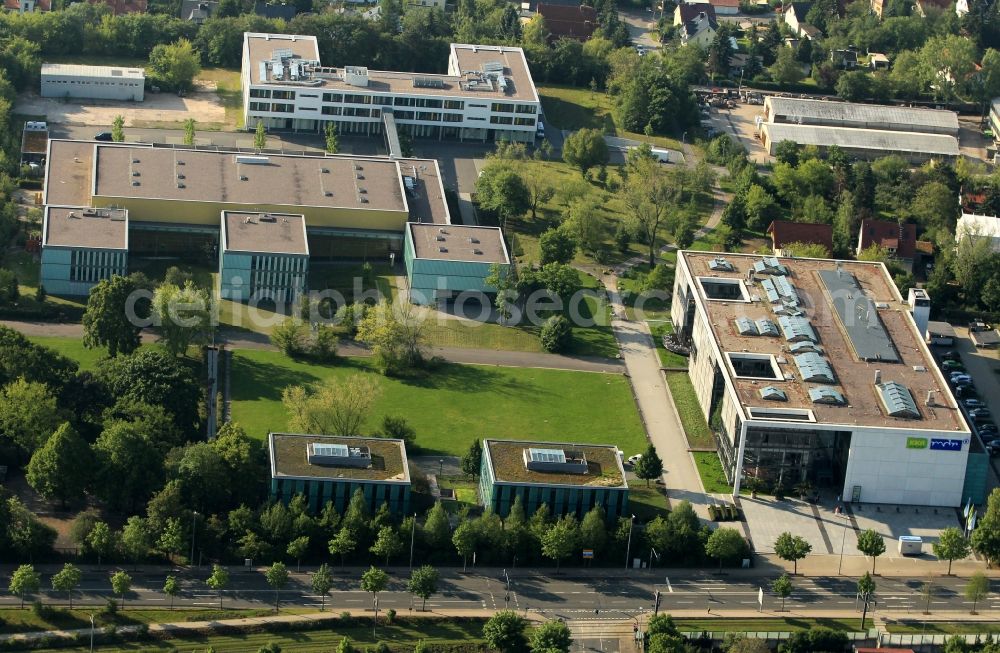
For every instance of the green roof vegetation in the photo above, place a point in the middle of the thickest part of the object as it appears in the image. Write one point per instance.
(507, 457)
(290, 458)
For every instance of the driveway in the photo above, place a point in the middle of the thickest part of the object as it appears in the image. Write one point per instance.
(640, 24)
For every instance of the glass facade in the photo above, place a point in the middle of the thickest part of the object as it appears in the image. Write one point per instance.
(319, 491)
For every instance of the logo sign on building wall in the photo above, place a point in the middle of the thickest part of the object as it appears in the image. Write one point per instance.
(916, 443)
(942, 444)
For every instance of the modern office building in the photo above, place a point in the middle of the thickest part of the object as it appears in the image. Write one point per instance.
(814, 369)
(60, 80)
(487, 94)
(263, 255)
(81, 246)
(327, 468)
(828, 113)
(354, 208)
(569, 478)
(443, 261)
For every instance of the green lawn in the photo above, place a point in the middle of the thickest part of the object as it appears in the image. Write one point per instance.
(72, 348)
(402, 635)
(710, 470)
(788, 624)
(453, 404)
(942, 627)
(695, 427)
(667, 357)
(569, 107)
(646, 503)
(13, 620)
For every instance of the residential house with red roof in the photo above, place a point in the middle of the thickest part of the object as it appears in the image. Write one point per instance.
(120, 7)
(564, 21)
(784, 232)
(27, 6)
(898, 239)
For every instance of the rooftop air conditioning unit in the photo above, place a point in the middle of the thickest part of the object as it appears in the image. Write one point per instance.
(440, 239)
(477, 251)
(474, 241)
(325, 170)
(442, 249)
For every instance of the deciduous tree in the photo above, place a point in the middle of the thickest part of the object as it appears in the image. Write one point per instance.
(395, 335)
(61, 468)
(174, 66)
(322, 582)
(871, 543)
(504, 632)
(121, 583)
(28, 414)
(387, 543)
(585, 149)
(561, 540)
(951, 545)
(782, 586)
(977, 587)
(218, 581)
(423, 584)
(277, 578)
(24, 580)
(472, 461)
(339, 407)
(725, 544)
(550, 636)
(66, 580)
(792, 548)
(171, 588)
(183, 316)
(343, 544)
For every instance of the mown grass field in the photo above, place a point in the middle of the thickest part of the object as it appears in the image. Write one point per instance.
(454, 404)
(787, 624)
(710, 470)
(695, 427)
(15, 620)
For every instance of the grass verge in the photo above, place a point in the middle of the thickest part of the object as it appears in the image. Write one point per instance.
(667, 357)
(449, 405)
(699, 435)
(15, 620)
(710, 470)
(942, 627)
(646, 503)
(787, 624)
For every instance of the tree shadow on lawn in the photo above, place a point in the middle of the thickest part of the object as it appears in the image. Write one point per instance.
(471, 379)
(254, 380)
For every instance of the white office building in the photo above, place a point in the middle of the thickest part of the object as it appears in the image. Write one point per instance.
(488, 93)
(815, 370)
(93, 82)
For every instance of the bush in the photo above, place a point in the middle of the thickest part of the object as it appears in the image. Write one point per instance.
(346, 619)
(390, 616)
(556, 334)
(43, 611)
(9, 292)
(111, 607)
(382, 647)
(350, 315)
(325, 343)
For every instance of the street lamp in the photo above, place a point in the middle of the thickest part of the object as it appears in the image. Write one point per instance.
(91, 632)
(375, 623)
(441, 467)
(413, 533)
(628, 547)
(194, 520)
(843, 540)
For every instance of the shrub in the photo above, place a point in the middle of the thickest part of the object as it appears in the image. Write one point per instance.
(346, 618)
(556, 334)
(382, 647)
(43, 611)
(111, 607)
(390, 616)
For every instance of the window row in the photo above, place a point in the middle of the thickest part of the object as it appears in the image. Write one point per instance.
(86, 83)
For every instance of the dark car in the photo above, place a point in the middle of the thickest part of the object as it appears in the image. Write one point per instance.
(980, 414)
(103, 136)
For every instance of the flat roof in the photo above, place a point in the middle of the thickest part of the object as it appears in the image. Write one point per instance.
(854, 378)
(973, 224)
(77, 70)
(426, 200)
(77, 226)
(68, 172)
(941, 329)
(262, 48)
(34, 141)
(269, 233)
(808, 109)
(878, 140)
(289, 458)
(457, 240)
(604, 465)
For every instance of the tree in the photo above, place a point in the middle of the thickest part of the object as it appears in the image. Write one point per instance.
(948, 61)
(437, 529)
(24, 580)
(855, 85)
(986, 536)
(951, 545)
(556, 334)
(106, 321)
(584, 149)
(556, 246)
(648, 196)
(171, 588)
(725, 544)
(290, 336)
(806, 250)
(66, 580)
(582, 219)
(118, 129)
(277, 578)
(396, 426)
(387, 543)
(374, 580)
(100, 540)
(395, 335)
(502, 279)
(977, 587)
(792, 548)
(465, 539)
(174, 66)
(552, 636)
(339, 407)
(594, 530)
(649, 466)
(785, 69)
(472, 461)
(504, 632)
(183, 316)
(135, 539)
(561, 540)
(9, 291)
(29, 413)
(342, 544)
(782, 586)
(298, 548)
(332, 141)
(218, 581)
(189, 131)
(156, 392)
(866, 589)
(121, 583)
(129, 465)
(322, 582)
(61, 468)
(761, 207)
(424, 583)
(749, 644)
(260, 136)
(871, 543)
(501, 190)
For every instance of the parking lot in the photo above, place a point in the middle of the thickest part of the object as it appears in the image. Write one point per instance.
(979, 390)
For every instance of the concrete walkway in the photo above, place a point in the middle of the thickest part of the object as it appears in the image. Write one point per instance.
(243, 339)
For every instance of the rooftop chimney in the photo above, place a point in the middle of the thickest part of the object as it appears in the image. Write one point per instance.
(878, 377)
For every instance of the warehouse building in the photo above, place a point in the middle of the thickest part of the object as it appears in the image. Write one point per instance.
(278, 213)
(81, 246)
(862, 143)
(61, 80)
(487, 94)
(263, 255)
(443, 261)
(326, 468)
(826, 113)
(974, 226)
(815, 370)
(569, 478)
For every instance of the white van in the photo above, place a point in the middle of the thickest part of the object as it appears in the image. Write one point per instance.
(663, 156)
(539, 129)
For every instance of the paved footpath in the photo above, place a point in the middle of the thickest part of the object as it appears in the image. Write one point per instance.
(241, 339)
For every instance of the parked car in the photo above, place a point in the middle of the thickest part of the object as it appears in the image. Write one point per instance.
(980, 414)
(973, 403)
(989, 430)
(952, 356)
(103, 136)
(632, 460)
(951, 365)
(960, 378)
(965, 392)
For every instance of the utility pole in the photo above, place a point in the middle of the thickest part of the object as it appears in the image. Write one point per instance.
(194, 521)
(628, 547)
(413, 533)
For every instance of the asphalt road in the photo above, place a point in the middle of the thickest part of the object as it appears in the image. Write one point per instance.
(575, 594)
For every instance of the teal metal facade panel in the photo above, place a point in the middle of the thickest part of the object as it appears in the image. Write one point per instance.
(75, 270)
(244, 275)
(339, 491)
(976, 477)
(427, 277)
